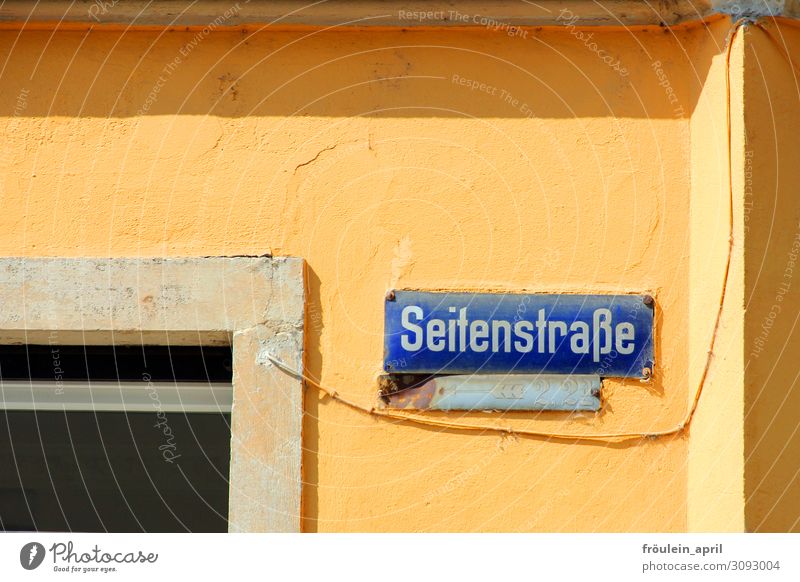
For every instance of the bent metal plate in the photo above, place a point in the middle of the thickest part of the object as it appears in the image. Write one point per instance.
(488, 333)
(499, 392)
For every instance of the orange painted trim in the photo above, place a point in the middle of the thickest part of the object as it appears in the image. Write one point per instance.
(373, 15)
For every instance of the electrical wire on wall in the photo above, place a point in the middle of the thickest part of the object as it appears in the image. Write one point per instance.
(680, 428)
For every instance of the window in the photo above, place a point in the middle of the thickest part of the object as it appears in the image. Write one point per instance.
(246, 307)
(119, 439)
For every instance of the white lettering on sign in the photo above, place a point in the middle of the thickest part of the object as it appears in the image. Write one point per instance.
(544, 336)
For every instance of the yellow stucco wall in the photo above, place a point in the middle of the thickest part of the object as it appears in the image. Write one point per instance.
(367, 154)
(772, 337)
(716, 446)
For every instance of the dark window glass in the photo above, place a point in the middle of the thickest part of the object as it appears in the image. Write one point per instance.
(115, 471)
(161, 363)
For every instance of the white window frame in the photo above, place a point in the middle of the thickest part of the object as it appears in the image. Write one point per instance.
(121, 396)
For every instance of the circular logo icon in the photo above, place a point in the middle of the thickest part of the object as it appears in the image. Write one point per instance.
(31, 555)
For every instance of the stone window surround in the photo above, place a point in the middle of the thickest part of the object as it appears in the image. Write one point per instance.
(255, 304)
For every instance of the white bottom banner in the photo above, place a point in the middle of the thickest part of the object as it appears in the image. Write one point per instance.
(400, 557)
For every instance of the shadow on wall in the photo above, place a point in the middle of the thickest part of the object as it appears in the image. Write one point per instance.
(545, 73)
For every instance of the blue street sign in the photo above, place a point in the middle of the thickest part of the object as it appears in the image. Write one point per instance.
(489, 333)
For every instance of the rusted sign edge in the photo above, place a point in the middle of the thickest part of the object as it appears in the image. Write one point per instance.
(501, 392)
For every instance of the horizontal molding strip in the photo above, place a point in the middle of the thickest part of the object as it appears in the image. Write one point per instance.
(278, 14)
(153, 397)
